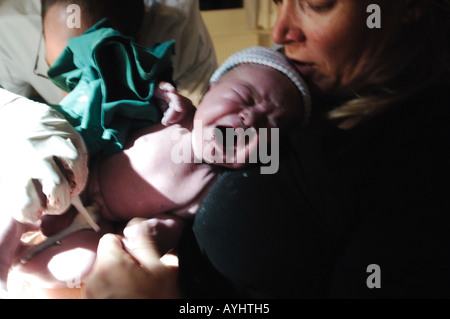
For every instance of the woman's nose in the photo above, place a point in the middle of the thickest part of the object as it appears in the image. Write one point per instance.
(287, 27)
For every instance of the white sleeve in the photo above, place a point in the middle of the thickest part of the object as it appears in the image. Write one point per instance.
(195, 59)
(12, 80)
(20, 32)
(42, 154)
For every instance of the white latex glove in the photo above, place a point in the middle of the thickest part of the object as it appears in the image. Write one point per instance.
(43, 161)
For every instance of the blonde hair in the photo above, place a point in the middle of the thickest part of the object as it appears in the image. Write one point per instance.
(414, 58)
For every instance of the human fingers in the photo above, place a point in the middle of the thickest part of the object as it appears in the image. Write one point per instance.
(165, 231)
(140, 244)
(117, 274)
(106, 271)
(177, 105)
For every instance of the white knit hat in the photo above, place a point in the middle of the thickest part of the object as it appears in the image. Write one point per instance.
(273, 59)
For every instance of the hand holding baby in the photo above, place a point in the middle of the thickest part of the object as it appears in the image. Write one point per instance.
(130, 267)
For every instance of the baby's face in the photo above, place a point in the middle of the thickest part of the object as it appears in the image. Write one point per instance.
(250, 97)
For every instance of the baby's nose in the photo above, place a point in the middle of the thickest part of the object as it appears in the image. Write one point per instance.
(251, 117)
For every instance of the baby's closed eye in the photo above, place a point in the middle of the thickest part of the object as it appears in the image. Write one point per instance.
(246, 95)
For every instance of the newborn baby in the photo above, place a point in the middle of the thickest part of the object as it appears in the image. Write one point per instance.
(166, 169)
(146, 178)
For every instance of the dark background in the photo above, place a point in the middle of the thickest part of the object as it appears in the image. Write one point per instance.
(220, 4)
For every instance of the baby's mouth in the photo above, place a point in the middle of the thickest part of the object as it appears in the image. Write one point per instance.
(226, 138)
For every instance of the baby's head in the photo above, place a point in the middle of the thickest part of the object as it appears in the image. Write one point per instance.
(253, 90)
(59, 20)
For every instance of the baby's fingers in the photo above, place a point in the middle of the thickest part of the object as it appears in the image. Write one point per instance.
(176, 107)
(161, 95)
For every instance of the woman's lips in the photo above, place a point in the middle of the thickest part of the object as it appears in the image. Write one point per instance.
(305, 69)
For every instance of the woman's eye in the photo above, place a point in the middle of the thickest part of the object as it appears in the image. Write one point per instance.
(321, 6)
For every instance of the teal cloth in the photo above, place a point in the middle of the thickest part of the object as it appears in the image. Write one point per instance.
(111, 81)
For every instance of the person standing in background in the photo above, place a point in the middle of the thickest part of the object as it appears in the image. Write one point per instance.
(195, 59)
(23, 69)
(21, 51)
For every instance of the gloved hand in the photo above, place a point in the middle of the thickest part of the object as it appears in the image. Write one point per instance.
(43, 163)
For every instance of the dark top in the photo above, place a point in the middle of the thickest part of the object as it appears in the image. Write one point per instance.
(341, 201)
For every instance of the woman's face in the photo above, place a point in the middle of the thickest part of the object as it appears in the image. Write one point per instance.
(329, 39)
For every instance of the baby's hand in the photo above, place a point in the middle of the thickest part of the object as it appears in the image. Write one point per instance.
(175, 107)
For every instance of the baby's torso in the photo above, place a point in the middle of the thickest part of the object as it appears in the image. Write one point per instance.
(147, 178)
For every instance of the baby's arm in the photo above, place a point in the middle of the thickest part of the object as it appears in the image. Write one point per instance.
(175, 106)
